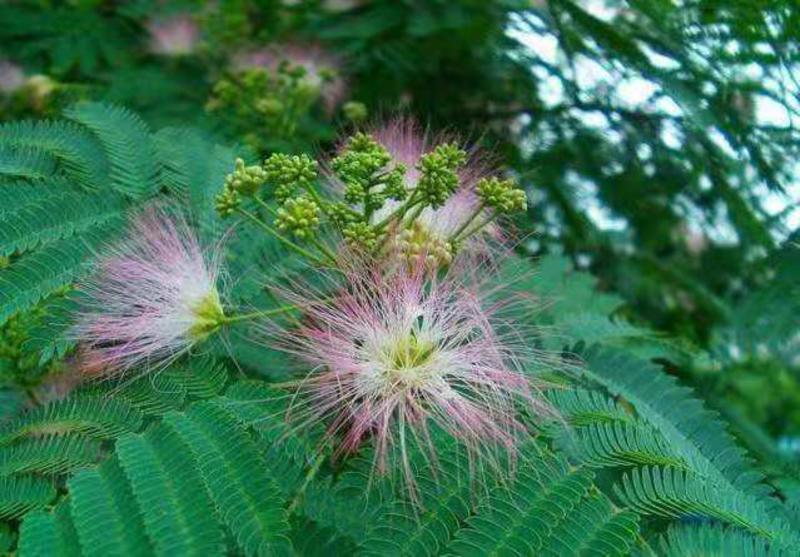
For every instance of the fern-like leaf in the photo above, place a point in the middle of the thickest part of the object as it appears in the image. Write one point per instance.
(106, 517)
(15, 194)
(20, 494)
(178, 515)
(518, 520)
(286, 451)
(444, 500)
(624, 445)
(48, 455)
(593, 529)
(169, 389)
(675, 493)
(59, 215)
(692, 431)
(128, 143)
(36, 275)
(715, 541)
(77, 150)
(583, 407)
(26, 163)
(194, 168)
(104, 418)
(48, 534)
(237, 478)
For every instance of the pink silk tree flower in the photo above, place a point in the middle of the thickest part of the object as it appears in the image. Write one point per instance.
(153, 296)
(323, 70)
(397, 354)
(176, 35)
(12, 77)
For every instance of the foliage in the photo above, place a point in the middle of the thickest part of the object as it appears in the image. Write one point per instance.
(664, 281)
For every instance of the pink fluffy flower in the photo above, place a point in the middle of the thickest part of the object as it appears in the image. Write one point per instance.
(398, 354)
(323, 69)
(12, 77)
(154, 295)
(177, 35)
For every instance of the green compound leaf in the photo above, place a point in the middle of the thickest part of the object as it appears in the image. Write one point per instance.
(237, 478)
(178, 515)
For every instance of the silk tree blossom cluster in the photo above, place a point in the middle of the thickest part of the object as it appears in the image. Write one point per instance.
(317, 70)
(175, 35)
(393, 192)
(396, 354)
(275, 88)
(403, 341)
(153, 296)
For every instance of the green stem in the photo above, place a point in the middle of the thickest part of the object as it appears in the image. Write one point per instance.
(319, 245)
(256, 314)
(310, 475)
(325, 250)
(415, 214)
(399, 212)
(265, 205)
(312, 191)
(469, 221)
(285, 241)
(478, 228)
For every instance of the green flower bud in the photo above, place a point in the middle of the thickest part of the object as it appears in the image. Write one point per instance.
(360, 234)
(299, 216)
(416, 245)
(341, 214)
(354, 193)
(502, 195)
(227, 201)
(357, 165)
(327, 74)
(355, 111)
(269, 106)
(255, 79)
(245, 180)
(394, 183)
(296, 71)
(438, 169)
(289, 172)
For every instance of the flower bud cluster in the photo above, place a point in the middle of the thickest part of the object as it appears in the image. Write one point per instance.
(287, 173)
(369, 175)
(502, 195)
(246, 180)
(423, 202)
(439, 173)
(360, 234)
(416, 245)
(298, 215)
(273, 99)
(243, 181)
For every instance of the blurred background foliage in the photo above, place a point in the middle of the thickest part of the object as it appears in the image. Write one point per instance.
(657, 139)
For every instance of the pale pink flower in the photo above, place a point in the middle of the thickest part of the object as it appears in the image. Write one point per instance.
(395, 354)
(323, 69)
(153, 296)
(176, 35)
(12, 77)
